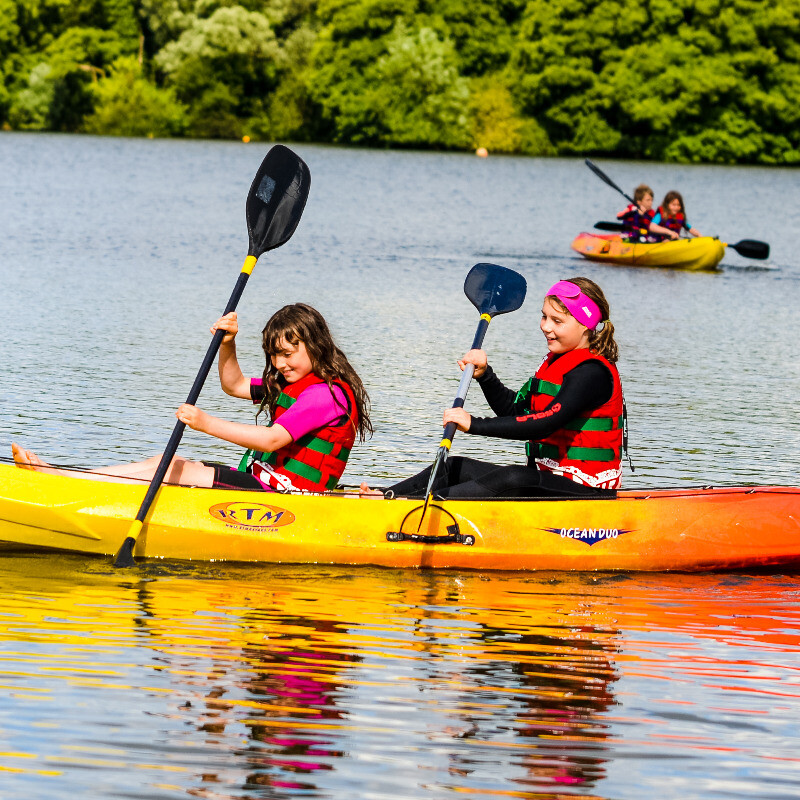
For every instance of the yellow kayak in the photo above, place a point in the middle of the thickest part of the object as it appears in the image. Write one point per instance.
(651, 530)
(702, 252)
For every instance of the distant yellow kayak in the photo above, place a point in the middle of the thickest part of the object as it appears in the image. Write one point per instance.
(702, 252)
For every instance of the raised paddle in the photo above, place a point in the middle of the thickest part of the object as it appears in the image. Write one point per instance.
(749, 248)
(492, 290)
(603, 177)
(274, 206)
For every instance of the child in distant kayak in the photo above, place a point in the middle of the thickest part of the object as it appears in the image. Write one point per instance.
(671, 214)
(316, 402)
(570, 412)
(638, 224)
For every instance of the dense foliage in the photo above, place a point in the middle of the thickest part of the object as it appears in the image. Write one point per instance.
(675, 80)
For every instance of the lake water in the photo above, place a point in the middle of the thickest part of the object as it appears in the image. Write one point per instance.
(234, 682)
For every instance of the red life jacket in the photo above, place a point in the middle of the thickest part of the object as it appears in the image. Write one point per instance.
(316, 461)
(589, 448)
(676, 223)
(635, 224)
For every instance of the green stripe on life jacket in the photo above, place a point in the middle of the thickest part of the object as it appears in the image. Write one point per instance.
(594, 424)
(321, 446)
(309, 441)
(577, 453)
(550, 389)
(284, 401)
(526, 389)
(309, 473)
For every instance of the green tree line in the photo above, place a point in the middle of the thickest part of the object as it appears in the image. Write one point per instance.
(668, 80)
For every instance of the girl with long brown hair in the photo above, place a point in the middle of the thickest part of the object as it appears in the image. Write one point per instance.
(316, 402)
(671, 214)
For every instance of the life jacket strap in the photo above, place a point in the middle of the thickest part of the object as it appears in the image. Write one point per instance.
(575, 453)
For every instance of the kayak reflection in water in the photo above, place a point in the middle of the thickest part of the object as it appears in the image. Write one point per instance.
(570, 412)
(316, 402)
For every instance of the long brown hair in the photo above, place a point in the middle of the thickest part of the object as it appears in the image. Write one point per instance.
(600, 341)
(299, 322)
(668, 198)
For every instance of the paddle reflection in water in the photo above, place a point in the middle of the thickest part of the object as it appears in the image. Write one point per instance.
(283, 682)
(344, 687)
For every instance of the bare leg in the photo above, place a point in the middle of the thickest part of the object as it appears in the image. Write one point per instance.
(181, 471)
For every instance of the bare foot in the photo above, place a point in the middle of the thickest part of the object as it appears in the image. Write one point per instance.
(22, 458)
(365, 491)
(27, 459)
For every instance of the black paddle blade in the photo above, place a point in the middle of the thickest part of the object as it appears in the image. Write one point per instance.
(751, 248)
(608, 226)
(276, 200)
(495, 290)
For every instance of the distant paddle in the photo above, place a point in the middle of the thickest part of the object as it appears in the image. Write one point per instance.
(275, 204)
(749, 248)
(492, 290)
(603, 177)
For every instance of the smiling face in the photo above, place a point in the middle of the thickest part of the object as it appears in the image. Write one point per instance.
(292, 361)
(674, 207)
(562, 331)
(646, 203)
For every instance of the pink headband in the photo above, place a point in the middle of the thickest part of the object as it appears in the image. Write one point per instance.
(583, 308)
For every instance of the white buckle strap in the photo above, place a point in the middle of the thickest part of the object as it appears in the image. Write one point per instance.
(266, 474)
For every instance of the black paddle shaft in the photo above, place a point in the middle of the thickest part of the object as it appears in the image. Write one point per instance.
(466, 377)
(274, 206)
(492, 290)
(603, 177)
(194, 393)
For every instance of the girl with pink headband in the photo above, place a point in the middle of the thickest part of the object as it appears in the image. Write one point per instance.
(570, 413)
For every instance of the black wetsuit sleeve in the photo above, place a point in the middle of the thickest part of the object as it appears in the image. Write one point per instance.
(257, 392)
(500, 398)
(585, 388)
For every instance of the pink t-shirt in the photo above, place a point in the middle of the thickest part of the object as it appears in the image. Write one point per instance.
(314, 409)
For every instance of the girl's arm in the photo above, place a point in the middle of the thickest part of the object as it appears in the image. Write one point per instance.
(231, 378)
(316, 408)
(663, 231)
(500, 398)
(585, 387)
(253, 437)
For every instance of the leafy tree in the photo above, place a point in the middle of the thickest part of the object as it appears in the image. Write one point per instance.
(31, 109)
(482, 31)
(57, 93)
(289, 112)
(684, 80)
(128, 105)
(416, 93)
(495, 124)
(220, 67)
(9, 29)
(693, 80)
(353, 36)
(163, 21)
